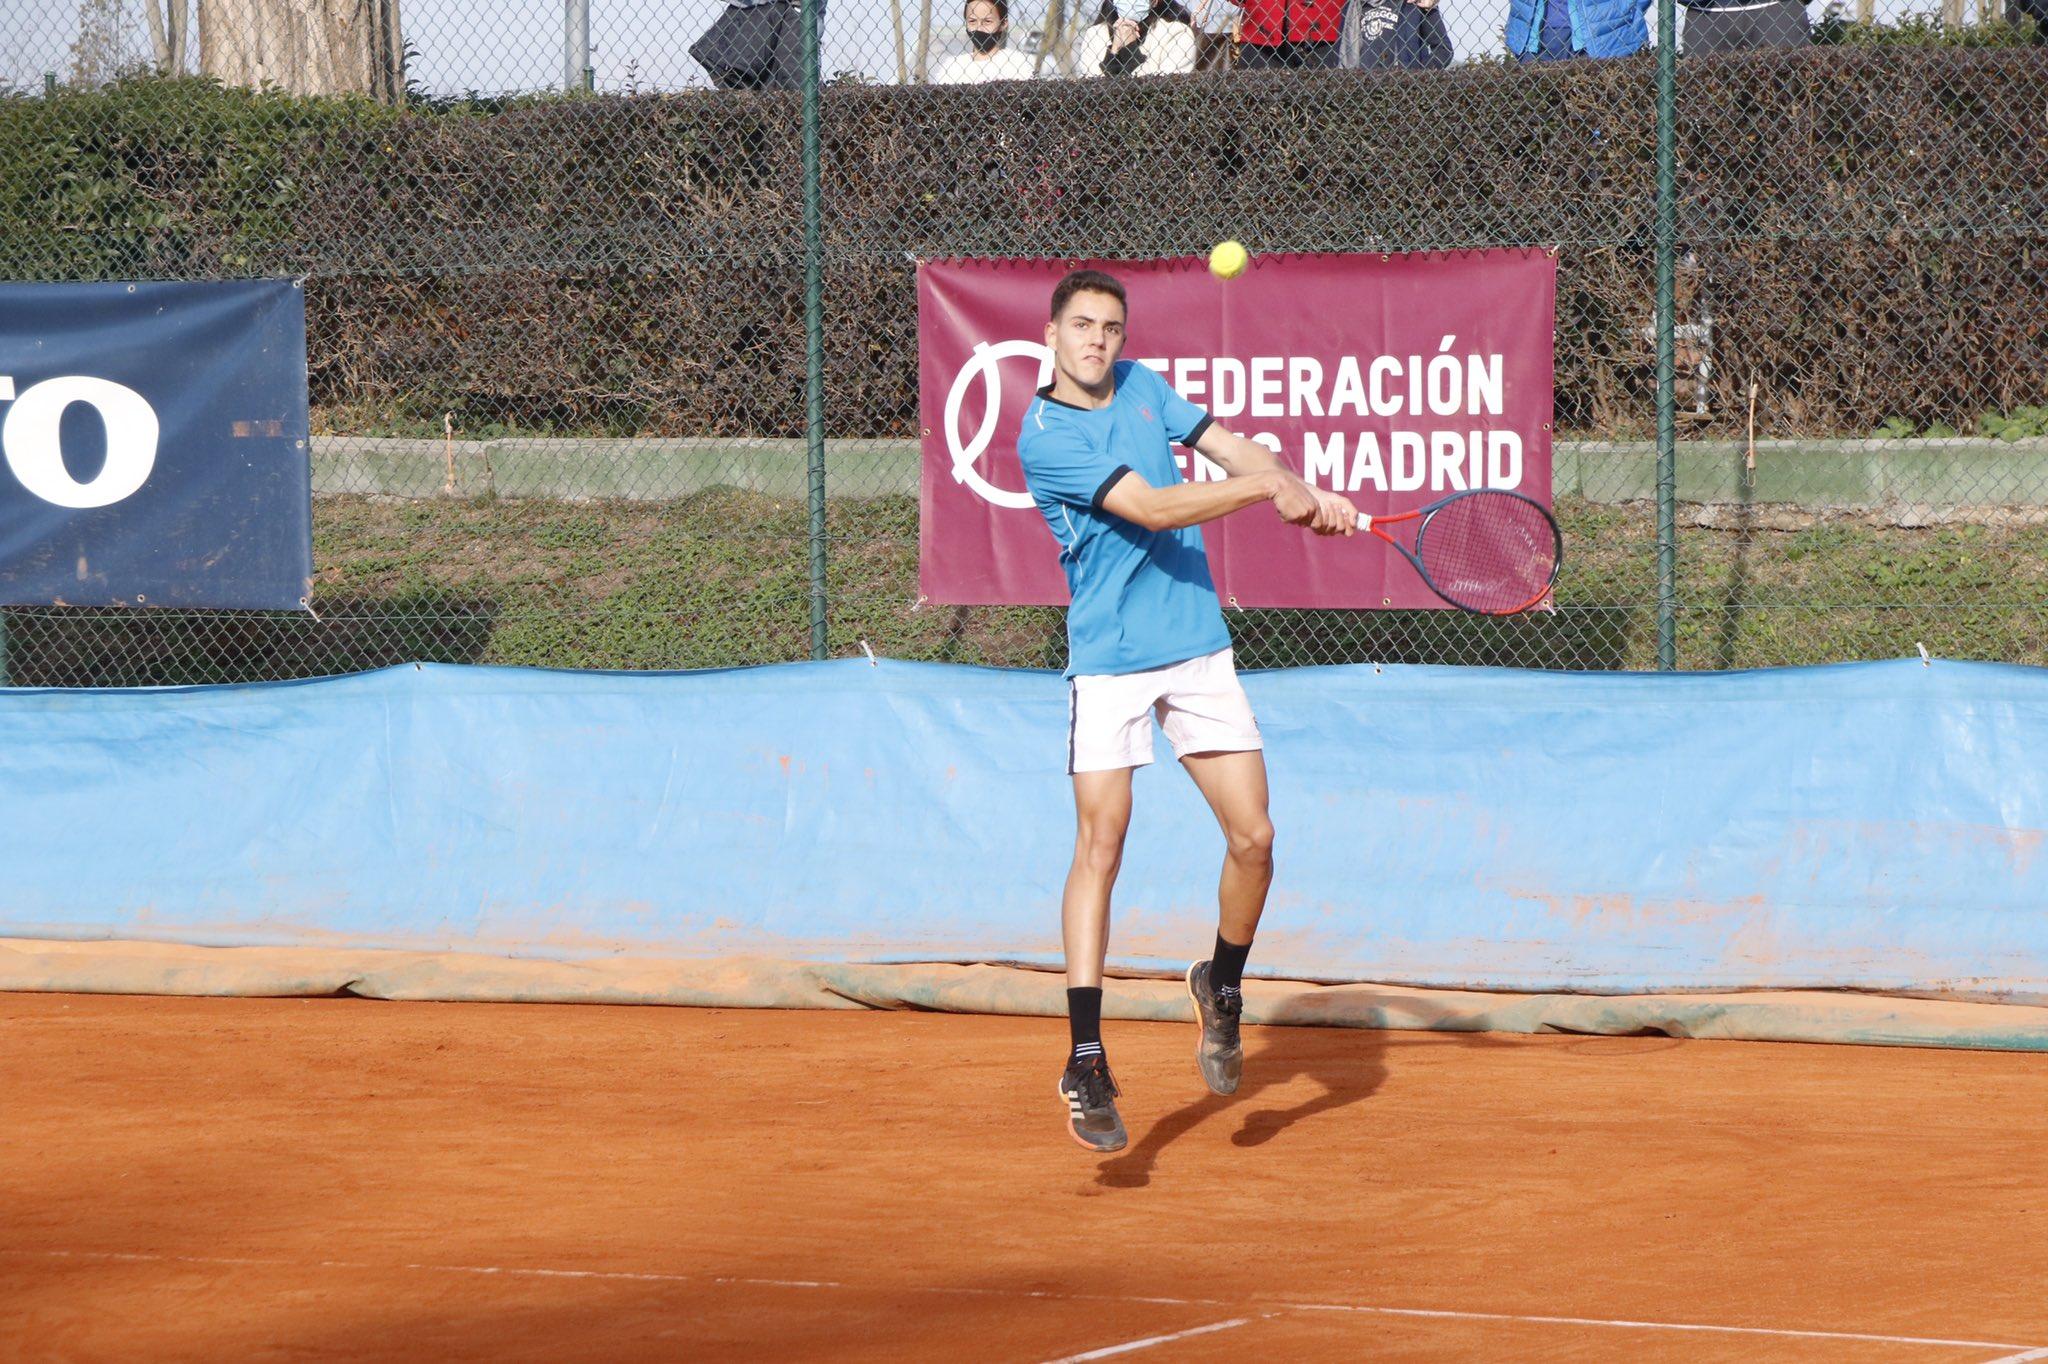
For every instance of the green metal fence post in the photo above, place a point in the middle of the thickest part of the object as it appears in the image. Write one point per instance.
(4, 680)
(1667, 398)
(814, 326)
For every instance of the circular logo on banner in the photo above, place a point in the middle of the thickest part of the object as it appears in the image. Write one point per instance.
(985, 367)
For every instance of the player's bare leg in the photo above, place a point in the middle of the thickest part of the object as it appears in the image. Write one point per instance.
(1234, 784)
(1102, 815)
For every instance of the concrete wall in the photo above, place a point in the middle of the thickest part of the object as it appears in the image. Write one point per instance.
(1916, 481)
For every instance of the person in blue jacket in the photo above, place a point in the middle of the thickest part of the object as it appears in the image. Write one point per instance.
(1553, 30)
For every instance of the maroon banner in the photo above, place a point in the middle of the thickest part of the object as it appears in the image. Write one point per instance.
(1394, 379)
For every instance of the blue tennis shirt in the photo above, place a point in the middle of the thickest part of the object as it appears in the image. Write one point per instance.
(1141, 598)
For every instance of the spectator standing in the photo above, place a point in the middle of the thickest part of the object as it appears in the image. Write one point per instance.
(990, 57)
(1133, 38)
(1738, 25)
(1289, 33)
(1554, 30)
(1379, 34)
(755, 45)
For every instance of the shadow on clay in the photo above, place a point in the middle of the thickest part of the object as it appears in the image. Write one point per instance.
(1344, 1075)
(1346, 1064)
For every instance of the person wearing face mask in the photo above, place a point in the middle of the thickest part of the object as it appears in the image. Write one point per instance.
(1137, 38)
(989, 57)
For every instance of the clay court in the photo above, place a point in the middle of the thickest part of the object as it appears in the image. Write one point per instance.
(343, 1178)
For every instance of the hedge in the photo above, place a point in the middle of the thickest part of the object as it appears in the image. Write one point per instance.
(1867, 227)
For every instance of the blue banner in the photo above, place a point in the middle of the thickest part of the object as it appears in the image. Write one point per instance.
(155, 445)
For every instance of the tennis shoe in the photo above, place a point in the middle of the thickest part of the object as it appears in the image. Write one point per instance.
(1090, 1093)
(1220, 1053)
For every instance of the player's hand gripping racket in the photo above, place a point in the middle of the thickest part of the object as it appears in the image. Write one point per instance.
(1487, 551)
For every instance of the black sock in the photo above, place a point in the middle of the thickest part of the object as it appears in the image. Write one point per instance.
(1226, 968)
(1084, 1020)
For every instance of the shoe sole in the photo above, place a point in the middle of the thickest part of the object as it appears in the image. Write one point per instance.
(1081, 1141)
(1201, 1035)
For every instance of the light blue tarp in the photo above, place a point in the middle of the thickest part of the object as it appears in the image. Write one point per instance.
(1871, 826)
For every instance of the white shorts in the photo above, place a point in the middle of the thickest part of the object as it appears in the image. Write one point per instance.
(1198, 701)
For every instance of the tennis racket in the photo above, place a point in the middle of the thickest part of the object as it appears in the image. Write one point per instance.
(1487, 551)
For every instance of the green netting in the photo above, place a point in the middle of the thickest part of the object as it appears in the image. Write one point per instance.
(556, 300)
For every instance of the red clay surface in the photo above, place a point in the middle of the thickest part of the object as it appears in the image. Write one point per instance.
(324, 1179)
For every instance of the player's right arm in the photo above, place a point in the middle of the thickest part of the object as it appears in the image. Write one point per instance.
(1064, 467)
(1243, 462)
(1237, 457)
(1192, 504)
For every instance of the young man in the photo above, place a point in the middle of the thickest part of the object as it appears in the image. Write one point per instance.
(1384, 34)
(1145, 636)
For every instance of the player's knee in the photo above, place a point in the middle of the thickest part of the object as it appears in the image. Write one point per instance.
(1100, 846)
(1100, 861)
(1252, 844)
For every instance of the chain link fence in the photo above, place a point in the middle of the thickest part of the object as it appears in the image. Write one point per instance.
(556, 298)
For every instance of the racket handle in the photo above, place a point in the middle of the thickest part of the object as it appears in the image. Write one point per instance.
(1365, 520)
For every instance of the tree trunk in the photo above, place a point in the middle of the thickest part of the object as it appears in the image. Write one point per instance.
(159, 43)
(896, 27)
(924, 40)
(1050, 40)
(307, 47)
(169, 23)
(181, 36)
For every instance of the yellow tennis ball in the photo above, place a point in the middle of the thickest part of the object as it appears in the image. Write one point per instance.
(1228, 260)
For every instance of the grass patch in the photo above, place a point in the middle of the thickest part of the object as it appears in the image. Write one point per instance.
(723, 579)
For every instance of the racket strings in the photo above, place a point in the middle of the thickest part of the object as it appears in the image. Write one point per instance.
(1490, 552)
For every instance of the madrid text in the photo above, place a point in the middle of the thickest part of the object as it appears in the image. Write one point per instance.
(1434, 419)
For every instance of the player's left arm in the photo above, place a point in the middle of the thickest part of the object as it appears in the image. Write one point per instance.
(1237, 457)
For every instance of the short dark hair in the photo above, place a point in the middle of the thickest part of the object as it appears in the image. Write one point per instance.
(1086, 282)
(1002, 8)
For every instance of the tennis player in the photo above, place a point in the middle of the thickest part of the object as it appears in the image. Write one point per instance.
(1146, 638)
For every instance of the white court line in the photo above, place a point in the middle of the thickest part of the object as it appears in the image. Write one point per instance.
(1149, 1341)
(1626, 1324)
(2024, 1351)
(624, 1275)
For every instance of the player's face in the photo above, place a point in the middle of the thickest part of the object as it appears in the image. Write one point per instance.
(1087, 338)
